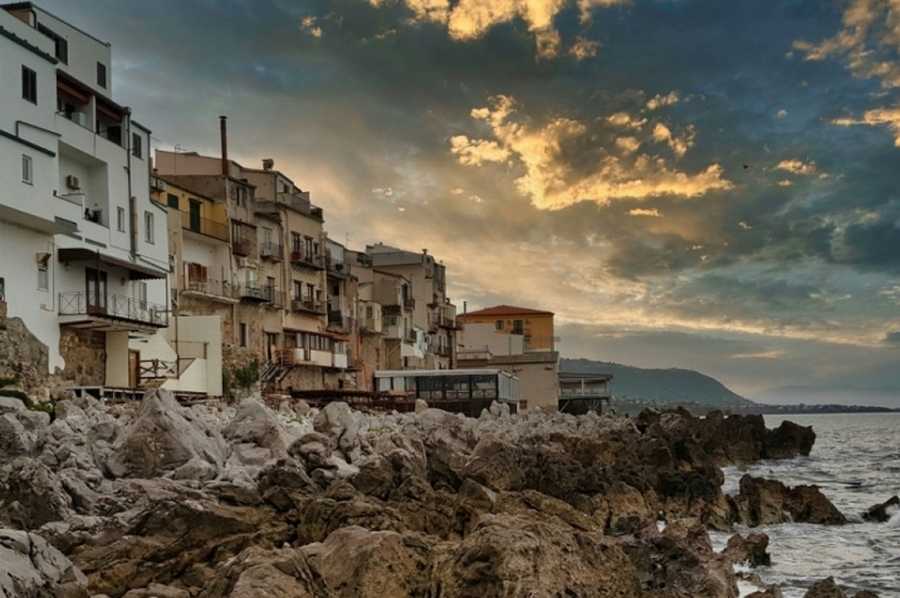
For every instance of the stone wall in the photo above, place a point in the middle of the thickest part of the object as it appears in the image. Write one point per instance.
(22, 355)
(84, 352)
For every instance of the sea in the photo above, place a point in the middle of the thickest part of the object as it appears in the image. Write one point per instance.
(856, 463)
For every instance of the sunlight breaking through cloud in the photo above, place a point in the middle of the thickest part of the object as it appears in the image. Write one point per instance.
(556, 174)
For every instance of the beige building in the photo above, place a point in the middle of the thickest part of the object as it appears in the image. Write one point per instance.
(279, 271)
(519, 341)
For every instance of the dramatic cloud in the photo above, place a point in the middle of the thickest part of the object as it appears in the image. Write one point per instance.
(547, 153)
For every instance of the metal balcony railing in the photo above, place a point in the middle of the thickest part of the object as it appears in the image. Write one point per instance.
(302, 258)
(241, 247)
(217, 288)
(257, 292)
(204, 226)
(272, 251)
(113, 306)
(307, 305)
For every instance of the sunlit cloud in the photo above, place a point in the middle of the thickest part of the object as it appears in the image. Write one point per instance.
(644, 212)
(870, 27)
(875, 117)
(308, 24)
(773, 354)
(781, 113)
(662, 100)
(744, 225)
(551, 180)
(584, 48)
(797, 166)
(785, 183)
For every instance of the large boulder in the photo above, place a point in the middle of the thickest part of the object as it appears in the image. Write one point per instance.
(882, 512)
(788, 440)
(764, 502)
(163, 437)
(32, 568)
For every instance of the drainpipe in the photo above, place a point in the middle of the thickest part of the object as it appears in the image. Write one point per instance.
(132, 200)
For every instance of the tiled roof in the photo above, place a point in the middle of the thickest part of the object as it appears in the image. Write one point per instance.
(505, 310)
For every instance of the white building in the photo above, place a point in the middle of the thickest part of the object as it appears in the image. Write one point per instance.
(83, 250)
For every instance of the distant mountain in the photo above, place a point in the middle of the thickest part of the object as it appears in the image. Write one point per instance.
(664, 386)
(888, 396)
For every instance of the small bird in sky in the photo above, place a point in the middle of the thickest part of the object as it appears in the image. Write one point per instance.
(746, 166)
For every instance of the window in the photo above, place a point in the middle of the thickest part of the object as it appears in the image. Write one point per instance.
(298, 291)
(101, 75)
(140, 291)
(241, 194)
(517, 327)
(43, 277)
(29, 84)
(27, 172)
(172, 201)
(120, 218)
(61, 45)
(295, 242)
(136, 145)
(2, 290)
(498, 325)
(148, 227)
(242, 334)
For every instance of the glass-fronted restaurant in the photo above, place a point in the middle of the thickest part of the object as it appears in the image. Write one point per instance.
(458, 391)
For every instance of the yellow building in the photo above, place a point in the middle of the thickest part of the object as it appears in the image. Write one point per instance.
(535, 327)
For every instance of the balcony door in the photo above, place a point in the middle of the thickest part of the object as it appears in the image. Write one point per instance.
(194, 214)
(95, 285)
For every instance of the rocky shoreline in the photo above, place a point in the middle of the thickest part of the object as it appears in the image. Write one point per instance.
(159, 499)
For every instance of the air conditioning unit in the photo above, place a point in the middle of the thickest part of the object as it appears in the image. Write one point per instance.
(241, 261)
(72, 182)
(161, 185)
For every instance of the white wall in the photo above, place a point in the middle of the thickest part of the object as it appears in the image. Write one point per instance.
(117, 359)
(475, 337)
(18, 268)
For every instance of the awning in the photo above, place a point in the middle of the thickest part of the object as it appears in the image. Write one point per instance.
(135, 271)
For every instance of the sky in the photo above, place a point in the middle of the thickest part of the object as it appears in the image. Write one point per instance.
(685, 183)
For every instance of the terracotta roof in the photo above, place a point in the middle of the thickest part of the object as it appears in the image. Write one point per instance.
(504, 310)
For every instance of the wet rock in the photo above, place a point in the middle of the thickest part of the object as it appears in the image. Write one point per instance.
(879, 513)
(825, 588)
(788, 440)
(750, 550)
(764, 502)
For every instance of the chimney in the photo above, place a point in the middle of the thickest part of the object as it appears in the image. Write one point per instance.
(223, 127)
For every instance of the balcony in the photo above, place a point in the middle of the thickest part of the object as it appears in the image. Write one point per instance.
(337, 268)
(307, 305)
(257, 292)
(271, 251)
(337, 320)
(302, 260)
(241, 247)
(409, 303)
(110, 312)
(204, 226)
(213, 289)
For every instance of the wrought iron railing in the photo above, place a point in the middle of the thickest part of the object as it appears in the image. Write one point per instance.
(112, 306)
(272, 251)
(217, 288)
(255, 291)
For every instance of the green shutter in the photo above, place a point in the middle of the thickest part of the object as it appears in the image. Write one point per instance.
(173, 201)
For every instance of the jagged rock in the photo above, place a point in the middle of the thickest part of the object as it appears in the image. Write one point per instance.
(32, 568)
(358, 563)
(31, 495)
(772, 591)
(346, 428)
(421, 406)
(155, 590)
(788, 440)
(163, 437)
(261, 573)
(750, 550)
(519, 556)
(763, 502)
(679, 562)
(255, 423)
(879, 512)
(825, 588)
